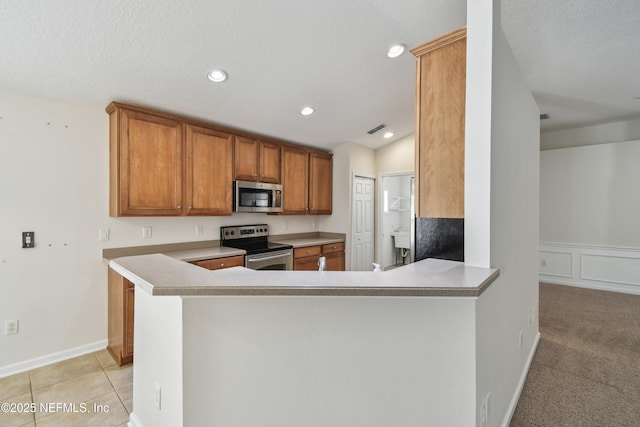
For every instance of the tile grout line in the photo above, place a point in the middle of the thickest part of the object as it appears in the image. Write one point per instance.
(112, 385)
(33, 414)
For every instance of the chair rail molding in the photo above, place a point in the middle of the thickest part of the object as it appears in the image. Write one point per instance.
(606, 268)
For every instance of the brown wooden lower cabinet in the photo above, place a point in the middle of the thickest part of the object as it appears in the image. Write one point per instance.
(334, 253)
(121, 297)
(306, 258)
(218, 263)
(120, 324)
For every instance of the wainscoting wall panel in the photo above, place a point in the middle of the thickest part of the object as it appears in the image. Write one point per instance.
(597, 267)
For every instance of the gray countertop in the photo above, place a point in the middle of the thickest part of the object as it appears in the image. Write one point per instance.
(204, 253)
(312, 241)
(159, 274)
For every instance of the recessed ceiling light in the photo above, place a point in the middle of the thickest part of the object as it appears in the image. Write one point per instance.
(387, 135)
(306, 111)
(217, 76)
(396, 50)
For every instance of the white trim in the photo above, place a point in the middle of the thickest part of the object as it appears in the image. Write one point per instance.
(134, 421)
(600, 286)
(523, 378)
(607, 268)
(48, 359)
(595, 247)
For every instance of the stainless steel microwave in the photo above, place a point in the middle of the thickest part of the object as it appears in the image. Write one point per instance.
(256, 197)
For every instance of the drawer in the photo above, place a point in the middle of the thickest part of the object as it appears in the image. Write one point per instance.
(218, 263)
(333, 247)
(307, 251)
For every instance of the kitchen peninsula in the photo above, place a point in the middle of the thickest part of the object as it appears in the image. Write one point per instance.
(243, 347)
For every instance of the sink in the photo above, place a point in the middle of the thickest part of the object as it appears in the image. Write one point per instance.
(401, 239)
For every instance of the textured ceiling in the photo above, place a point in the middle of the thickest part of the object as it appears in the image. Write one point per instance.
(581, 58)
(577, 56)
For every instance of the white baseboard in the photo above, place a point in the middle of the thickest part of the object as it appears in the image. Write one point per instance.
(134, 421)
(604, 268)
(37, 362)
(523, 378)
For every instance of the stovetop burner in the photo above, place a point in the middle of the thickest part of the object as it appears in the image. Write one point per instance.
(251, 238)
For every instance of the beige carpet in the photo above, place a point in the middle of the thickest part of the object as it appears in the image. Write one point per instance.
(586, 370)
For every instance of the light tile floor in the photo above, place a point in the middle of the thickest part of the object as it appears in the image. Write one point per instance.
(89, 390)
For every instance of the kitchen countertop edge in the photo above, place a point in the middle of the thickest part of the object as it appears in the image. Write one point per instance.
(162, 275)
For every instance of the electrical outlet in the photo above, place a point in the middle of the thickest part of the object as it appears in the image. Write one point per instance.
(11, 327)
(484, 410)
(520, 340)
(532, 315)
(146, 232)
(157, 395)
(199, 230)
(286, 226)
(103, 234)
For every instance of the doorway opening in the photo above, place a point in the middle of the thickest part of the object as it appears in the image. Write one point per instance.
(396, 234)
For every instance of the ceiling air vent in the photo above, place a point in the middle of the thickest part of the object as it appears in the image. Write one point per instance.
(544, 116)
(376, 129)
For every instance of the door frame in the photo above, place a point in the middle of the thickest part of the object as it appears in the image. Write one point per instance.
(378, 214)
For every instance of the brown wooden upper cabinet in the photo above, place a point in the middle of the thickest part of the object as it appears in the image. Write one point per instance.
(441, 83)
(295, 181)
(256, 160)
(160, 165)
(320, 183)
(306, 182)
(209, 171)
(164, 165)
(146, 163)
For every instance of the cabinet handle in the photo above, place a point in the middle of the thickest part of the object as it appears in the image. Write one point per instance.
(222, 264)
(179, 206)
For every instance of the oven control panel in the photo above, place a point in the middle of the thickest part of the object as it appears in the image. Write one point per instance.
(244, 231)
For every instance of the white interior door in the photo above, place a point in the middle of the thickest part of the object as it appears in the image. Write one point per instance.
(362, 224)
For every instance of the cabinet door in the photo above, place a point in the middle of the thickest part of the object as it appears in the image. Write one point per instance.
(269, 162)
(219, 263)
(209, 171)
(306, 264)
(440, 143)
(335, 261)
(246, 158)
(147, 157)
(320, 183)
(129, 298)
(295, 180)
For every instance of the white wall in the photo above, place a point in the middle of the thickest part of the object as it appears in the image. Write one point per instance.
(588, 195)
(589, 235)
(399, 156)
(348, 159)
(331, 361)
(54, 169)
(501, 209)
(627, 130)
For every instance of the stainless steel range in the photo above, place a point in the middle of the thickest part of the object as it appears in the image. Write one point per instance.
(261, 253)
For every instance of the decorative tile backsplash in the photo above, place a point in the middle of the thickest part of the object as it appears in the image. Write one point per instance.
(441, 238)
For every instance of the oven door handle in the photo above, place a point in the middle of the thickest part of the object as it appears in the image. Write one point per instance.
(281, 255)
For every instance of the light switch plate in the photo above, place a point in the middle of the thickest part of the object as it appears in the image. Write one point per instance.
(146, 232)
(104, 234)
(28, 239)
